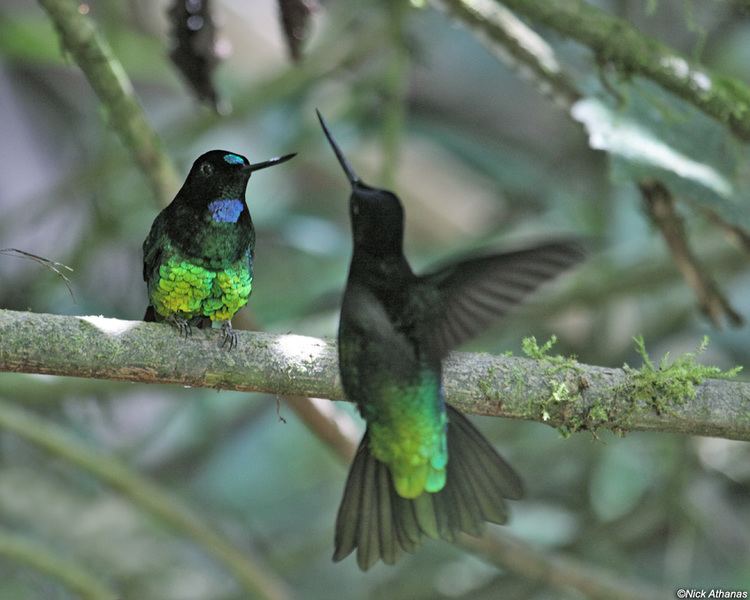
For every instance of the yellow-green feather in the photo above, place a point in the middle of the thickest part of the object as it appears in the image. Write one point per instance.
(408, 433)
(187, 290)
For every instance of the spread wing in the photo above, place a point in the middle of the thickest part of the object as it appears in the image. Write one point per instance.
(475, 292)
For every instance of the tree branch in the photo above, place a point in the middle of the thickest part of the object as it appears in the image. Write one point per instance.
(570, 396)
(616, 42)
(660, 207)
(110, 82)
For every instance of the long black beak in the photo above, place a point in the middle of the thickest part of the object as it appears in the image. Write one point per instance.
(350, 174)
(272, 162)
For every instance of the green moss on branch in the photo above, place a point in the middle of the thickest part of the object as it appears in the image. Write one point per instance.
(671, 383)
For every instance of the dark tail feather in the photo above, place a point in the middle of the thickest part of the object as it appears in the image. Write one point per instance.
(380, 524)
(150, 316)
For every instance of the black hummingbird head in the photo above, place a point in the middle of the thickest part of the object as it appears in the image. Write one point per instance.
(377, 215)
(222, 174)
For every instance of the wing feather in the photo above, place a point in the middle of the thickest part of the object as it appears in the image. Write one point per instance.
(477, 291)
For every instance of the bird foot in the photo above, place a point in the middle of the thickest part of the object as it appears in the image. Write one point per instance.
(230, 335)
(182, 325)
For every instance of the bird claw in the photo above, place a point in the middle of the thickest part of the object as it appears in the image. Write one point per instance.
(182, 325)
(230, 335)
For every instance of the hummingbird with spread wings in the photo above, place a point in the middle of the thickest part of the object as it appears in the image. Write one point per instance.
(422, 469)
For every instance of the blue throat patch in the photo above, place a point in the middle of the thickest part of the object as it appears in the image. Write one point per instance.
(226, 210)
(233, 159)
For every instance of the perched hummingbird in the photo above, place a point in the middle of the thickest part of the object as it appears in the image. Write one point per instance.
(421, 469)
(198, 256)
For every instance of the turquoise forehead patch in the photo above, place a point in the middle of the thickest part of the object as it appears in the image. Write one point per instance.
(233, 159)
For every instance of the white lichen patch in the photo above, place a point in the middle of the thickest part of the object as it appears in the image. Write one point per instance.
(113, 327)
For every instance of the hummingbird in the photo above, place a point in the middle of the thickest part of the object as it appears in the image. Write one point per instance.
(198, 256)
(421, 469)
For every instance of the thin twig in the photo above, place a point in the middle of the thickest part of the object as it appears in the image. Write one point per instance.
(659, 205)
(737, 235)
(52, 265)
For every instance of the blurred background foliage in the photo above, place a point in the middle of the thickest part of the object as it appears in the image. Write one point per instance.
(480, 158)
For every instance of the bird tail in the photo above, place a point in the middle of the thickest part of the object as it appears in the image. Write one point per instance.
(150, 316)
(380, 524)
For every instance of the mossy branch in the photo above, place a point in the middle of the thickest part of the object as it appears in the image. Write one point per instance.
(255, 579)
(555, 390)
(73, 576)
(617, 43)
(106, 75)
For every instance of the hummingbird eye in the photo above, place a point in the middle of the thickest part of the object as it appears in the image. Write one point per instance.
(206, 169)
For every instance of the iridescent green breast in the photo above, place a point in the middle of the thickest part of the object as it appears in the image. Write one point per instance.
(185, 289)
(407, 425)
